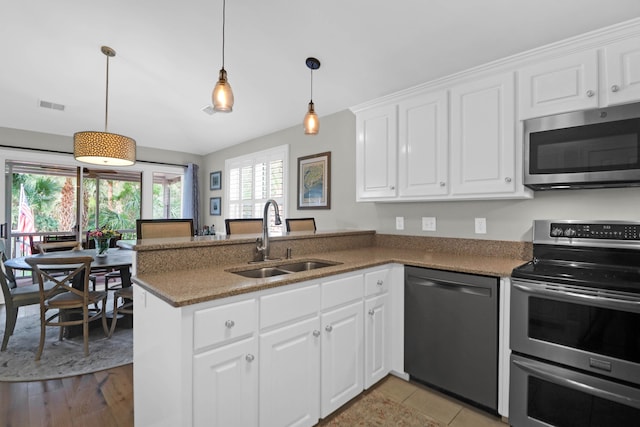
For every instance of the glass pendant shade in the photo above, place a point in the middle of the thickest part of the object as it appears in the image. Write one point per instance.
(222, 96)
(104, 148)
(311, 122)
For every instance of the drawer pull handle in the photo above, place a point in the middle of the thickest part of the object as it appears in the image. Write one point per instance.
(590, 93)
(615, 88)
(316, 333)
(229, 323)
(328, 328)
(372, 312)
(250, 357)
(380, 282)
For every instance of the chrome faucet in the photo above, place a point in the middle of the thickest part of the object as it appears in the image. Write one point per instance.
(263, 245)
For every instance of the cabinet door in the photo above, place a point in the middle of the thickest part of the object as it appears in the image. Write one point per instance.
(423, 139)
(377, 344)
(225, 386)
(290, 375)
(341, 360)
(483, 137)
(560, 85)
(622, 84)
(376, 147)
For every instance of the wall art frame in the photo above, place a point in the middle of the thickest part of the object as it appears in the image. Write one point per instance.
(314, 181)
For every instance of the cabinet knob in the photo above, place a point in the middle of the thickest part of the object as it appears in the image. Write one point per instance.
(229, 323)
(328, 328)
(392, 188)
(615, 88)
(507, 180)
(316, 333)
(371, 312)
(590, 93)
(442, 184)
(380, 282)
(249, 357)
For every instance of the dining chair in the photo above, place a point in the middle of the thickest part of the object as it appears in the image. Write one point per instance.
(15, 297)
(243, 225)
(62, 246)
(157, 228)
(126, 295)
(68, 301)
(301, 224)
(109, 273)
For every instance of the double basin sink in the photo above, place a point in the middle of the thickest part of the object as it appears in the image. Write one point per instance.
(284, 268)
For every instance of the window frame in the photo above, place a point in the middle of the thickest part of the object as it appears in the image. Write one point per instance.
(263, 156)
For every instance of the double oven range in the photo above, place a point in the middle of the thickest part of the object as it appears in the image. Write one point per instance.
(575, 326)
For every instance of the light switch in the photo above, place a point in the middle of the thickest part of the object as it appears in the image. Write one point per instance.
(428, 223)
(399, 223)
(481, 225)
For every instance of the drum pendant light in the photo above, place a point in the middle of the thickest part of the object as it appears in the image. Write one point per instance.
(222, 96)
(104, 148)
(311, 122)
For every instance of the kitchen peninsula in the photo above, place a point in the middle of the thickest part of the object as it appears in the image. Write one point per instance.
(207, 340)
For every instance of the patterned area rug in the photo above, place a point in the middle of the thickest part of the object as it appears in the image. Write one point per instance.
(375, 410)
(61, 358)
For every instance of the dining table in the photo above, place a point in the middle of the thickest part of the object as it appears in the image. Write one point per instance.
(115, 258)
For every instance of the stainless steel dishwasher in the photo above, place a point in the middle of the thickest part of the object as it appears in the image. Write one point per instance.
(451, 333)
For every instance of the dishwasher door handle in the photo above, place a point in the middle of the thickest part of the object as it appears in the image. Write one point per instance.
(452, 286)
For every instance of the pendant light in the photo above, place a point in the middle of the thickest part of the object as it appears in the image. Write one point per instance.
(311, 122)
(104, 148)
(222, 95)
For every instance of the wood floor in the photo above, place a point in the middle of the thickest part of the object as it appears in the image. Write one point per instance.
(101, 399)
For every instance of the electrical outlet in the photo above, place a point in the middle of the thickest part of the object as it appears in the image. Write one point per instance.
(428, 223)
(481, 225)
(399, 223)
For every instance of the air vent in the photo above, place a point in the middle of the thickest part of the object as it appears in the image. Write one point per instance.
(208, 109)
(51, 105)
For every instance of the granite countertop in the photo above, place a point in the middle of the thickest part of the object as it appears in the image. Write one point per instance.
(185, 287)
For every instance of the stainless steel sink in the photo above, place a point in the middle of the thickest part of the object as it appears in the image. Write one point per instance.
(259, 273)
(284, 268)
(306, 265)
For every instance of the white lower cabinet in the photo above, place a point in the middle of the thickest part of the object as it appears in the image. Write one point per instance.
(341, 356)
(225, 386)
(280, 357)
(290, 375)
(377, 344)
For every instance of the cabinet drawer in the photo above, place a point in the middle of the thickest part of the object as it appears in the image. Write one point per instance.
(289, 305)
(377, 282)
(342, 290)
(218, 324)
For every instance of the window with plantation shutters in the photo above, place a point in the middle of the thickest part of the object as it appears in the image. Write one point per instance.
(253, 179)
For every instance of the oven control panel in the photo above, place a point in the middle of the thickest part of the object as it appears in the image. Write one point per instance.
(595, 231)
(588, 233)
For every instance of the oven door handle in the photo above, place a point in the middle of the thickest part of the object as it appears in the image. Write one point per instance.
(575, 384)
(607, 302)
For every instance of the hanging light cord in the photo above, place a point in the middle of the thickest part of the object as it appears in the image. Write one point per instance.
(106, 104)
(224, 14)
(312, 85)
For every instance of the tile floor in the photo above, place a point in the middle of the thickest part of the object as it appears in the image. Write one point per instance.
(444, 409)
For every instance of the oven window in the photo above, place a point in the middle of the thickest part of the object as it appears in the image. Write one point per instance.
(591, 148)
(561, 406)
(603, 331)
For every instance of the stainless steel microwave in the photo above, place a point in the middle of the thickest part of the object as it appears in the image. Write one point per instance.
(584, 149)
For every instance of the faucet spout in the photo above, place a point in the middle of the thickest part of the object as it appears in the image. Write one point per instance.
(264, 247)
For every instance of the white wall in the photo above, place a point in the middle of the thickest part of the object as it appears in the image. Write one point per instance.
(506, 220)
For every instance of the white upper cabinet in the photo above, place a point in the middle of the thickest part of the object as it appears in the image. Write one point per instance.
(622, 61)
(423, 138)
(568, 83)
(376, 148)
(483, 160)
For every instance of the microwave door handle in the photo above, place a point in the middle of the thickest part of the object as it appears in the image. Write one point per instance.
(539, 370)
(606, 302)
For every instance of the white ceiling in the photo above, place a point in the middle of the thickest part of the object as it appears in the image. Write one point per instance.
(169, 55)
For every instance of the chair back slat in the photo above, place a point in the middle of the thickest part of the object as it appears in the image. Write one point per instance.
(243, 225)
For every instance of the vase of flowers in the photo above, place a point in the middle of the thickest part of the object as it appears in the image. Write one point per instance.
(102, 238)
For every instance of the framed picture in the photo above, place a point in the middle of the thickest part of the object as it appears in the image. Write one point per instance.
(215, 180)
(214, 206)
(314, 181)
